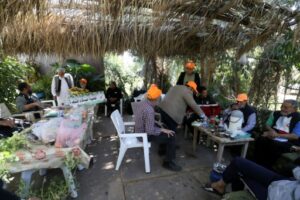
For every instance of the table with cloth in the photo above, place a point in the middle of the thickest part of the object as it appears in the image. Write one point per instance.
(51, 139)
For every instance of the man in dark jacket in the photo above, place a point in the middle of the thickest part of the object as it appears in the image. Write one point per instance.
(113, 96)
(283, 131)
(204, 98)
(189, 74)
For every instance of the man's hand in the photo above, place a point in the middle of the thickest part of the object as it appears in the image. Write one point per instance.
(295, 148)
(8, 122)
(270, 134)
(168, 132)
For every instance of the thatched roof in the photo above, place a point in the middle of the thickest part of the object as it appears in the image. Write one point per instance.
(149, 27)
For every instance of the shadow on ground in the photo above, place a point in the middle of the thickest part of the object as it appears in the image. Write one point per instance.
(102, 182)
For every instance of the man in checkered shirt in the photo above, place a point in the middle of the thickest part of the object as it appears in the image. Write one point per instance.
(145, 123)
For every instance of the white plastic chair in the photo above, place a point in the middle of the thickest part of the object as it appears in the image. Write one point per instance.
(48, 102)
(130, 140)
(121, 108)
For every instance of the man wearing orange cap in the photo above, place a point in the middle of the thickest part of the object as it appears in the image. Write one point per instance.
(189, 74)
(83, 83)
(145, 123)
(173, 106)
(248, 112)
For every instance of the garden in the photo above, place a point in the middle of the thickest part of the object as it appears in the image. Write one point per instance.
(236, 47)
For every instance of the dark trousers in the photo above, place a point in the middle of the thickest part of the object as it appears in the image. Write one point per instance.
(168, 121)
(267, 151)
(169, 144)
(255, 176)
(111, 107)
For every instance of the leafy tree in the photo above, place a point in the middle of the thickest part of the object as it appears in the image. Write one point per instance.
(12, 72)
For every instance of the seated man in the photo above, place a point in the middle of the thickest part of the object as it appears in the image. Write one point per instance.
(145, 123)
(283, 131)
(248, 111)
(25, 101)
(264, 184)
(113, 96)
(204, 97)
(7, 127)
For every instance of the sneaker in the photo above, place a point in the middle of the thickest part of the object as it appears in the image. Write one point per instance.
(172, 166)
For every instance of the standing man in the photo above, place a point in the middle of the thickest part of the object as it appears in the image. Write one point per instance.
(173, 106)
(61, 83)
(113, 96)
(145, 123)
(189, 74)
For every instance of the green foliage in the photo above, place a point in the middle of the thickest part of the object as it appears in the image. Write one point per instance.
(127, 78)
(8, 147)
(71, 161)
(79, 71)
(55, 189)
(43, 84)
(12, 72)
(14, 143)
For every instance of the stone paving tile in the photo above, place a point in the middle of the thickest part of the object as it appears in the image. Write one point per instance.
(131, 182)
(176, 187)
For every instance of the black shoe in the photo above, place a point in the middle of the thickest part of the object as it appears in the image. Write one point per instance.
(172, 166)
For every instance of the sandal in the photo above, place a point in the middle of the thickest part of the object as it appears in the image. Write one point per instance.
(207, 187)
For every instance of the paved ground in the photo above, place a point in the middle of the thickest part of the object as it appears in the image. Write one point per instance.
(102, 182)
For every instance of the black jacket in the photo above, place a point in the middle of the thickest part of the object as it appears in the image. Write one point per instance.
(181, 79)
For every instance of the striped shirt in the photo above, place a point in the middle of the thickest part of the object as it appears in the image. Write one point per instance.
(145, 119)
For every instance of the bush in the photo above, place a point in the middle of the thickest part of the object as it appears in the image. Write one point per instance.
(43, 84)
(12, 72)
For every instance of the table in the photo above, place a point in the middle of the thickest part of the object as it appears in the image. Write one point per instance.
(28, 164)
(221, 141)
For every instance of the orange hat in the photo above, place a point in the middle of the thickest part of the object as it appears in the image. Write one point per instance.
(192, 85)
(83, 80)
(190, 64)
(242, 97)
(154, 92)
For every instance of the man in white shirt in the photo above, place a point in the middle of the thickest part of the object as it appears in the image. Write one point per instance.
(61, 83)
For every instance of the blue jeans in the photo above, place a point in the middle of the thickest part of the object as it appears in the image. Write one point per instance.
(255, 176)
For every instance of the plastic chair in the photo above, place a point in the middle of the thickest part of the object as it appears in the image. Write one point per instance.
(49, 102)
(130, 140)
(121, 108)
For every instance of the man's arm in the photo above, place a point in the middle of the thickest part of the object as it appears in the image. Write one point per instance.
(270, 122)
(6, 122)
(294, 135)
(250, 123)
(189, 99)
(149, 122)
(53, 92)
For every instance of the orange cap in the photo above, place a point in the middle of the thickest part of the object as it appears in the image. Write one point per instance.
(190, 64)
(242, 97)
(154, 92)
(192, 85)
(83, 80)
